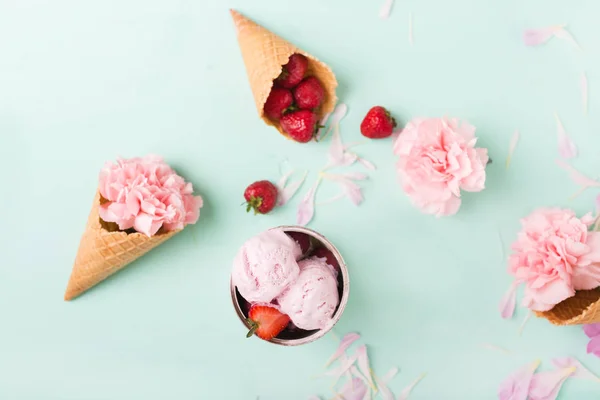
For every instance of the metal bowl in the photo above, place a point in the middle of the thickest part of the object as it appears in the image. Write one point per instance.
(343, 280)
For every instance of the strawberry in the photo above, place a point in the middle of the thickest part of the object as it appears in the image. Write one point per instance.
(309, 93)
(378, 123)
(293, 72)
(302, 239)
(261, 196)
(300, 125)
(324, 252)
(266, 322)
(279, 99)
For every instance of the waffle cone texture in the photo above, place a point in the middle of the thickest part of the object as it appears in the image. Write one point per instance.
(104, 251)
(581, 309)
(264, 54)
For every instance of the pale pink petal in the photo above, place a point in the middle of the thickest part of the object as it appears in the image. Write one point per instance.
(584, 92)
(334, 118)
(516, 386)
(407, 390)
(352, 191)
(363, 364)
(592, 330)
(322, 125)
(386, 393)
(357, 176)
(338, 157)
(354, 389)
(536, 37)
(511, 147)
(509, 301)
(566, 148)
(355, 372)
(306, 208)
(562, 33)
(344, 366)
(391, 374)
(367, 164)
(546, 385)
(496, 347)
(346, 341)
(580, 370)
(386, 9)
(576, 176)
(290, 190)
(593, 346)
(283, 180)
(332, 199)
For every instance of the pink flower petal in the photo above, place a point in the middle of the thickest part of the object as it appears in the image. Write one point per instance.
(386, 9)
(407, 390)
(338, 157)
(566, 148)
(283, 180)
(511, 148)
(576, 176)
(584, 92)
(363, 364)
(516, 386)
(344, 366)
(509, 301)
(290, 190)
(355, 372)
(524, 323)
(536, 37)
(346, 341)
(592, 330)
(546, 385)
(333, 199)
(306, 208)
(354, 389)
(593, 346)
(580, 370)
(334, 118)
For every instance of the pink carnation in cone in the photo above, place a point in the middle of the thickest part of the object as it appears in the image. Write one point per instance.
(438, 159)
(146, 194)
(554, 256)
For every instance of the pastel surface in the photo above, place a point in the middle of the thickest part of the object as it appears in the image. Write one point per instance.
(84, 82)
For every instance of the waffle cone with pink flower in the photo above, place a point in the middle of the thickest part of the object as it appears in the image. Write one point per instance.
(140, 204)
(581, 309)
(264, 54)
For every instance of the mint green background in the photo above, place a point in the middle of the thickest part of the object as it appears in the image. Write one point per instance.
(82, 82)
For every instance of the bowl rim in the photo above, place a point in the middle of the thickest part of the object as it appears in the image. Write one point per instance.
(343, 300)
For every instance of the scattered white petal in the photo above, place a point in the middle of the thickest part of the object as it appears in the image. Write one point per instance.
(566, 147)
(306, 208)
(411, 39)
(563, 33)
(333, 199)
(509, 301)
(524, 323)
(335, 118)
(386, 9)
(406, 392)
(355, 389)
(283, 180)
(496, 348)
(287, 192)
(584, 92)
(346, 342)
(511, 148)
(363, 364)
(386, 393)
(391, 374)
(367, 164)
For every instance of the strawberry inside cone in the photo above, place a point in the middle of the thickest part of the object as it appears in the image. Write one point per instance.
(293, 72)
(261, 196)
(300, 125)
(266, 322)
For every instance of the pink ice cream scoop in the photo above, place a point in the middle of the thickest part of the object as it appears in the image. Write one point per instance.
(266, 265)
(312, 299)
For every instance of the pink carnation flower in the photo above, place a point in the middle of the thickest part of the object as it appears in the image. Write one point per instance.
(438, 159)
(554, 256)
(146, 194)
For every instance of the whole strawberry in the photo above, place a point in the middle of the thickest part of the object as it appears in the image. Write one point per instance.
(266, 322)
(378, 123)
(279, 99)
(293, 72)
(309, 93)
(300, 125)
(261, 197)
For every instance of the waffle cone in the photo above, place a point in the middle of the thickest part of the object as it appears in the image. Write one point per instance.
(104, 251)
(264, 54)
(581, 309)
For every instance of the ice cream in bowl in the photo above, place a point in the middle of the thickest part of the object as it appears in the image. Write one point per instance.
(289, 285)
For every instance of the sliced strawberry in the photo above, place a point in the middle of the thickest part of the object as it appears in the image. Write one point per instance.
(266, 322)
